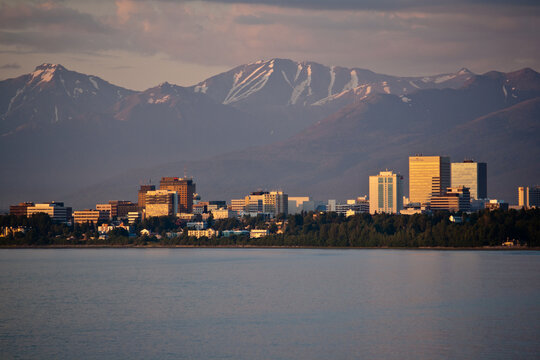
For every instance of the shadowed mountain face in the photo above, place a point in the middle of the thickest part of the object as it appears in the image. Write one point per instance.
(61, 130)
(290, 95)
(333, 159)
(216, 132)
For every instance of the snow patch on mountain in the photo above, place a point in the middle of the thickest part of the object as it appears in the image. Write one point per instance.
(386, 88)
(203, 88)
(413, 84)
(368, 90)
(94, 82)
(298, 70)
(286, 78)
(19, 92)
(332, 80)
(353, 82)
(163, 99)
(253, 82)
(300, 88)
(444, 78)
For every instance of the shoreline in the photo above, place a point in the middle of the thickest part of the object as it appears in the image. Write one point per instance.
(483, 248)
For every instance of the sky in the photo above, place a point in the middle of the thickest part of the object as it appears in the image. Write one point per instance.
(139, 44)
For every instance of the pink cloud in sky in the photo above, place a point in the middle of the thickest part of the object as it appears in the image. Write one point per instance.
(398, 41)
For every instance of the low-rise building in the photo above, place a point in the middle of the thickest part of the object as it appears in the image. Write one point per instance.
(495, 204)
(56, 210)
(12, 230)
(224, 214)
(227, 233)
(90, 216)
(118, 208)
(161, 203)
(134, 216)
(203, 233)
(455, 199)
(258, 233)
(20, 209)
(185, 216)
(200, 208)
(197, 225)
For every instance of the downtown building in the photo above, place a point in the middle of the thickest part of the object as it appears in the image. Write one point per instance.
(385, 193)
(184, 187)
(90, 216)
(21, 209)
(141, 195)
(454, 199)
(161, 203)
(529, 197)
(118, 208)
(56, 210)
(428, 176)
(472, 175)
(262, 202)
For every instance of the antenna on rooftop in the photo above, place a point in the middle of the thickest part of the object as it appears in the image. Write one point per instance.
(185, 172)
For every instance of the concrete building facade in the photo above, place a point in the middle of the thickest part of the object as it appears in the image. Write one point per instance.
(455, 199)
(55, 210)
(184, 187)
(161, 203)
(90, 216)
(385, 193)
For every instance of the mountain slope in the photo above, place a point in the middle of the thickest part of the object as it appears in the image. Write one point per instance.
(61, 129)
(333, 158)
(282, 82)
(51, 95)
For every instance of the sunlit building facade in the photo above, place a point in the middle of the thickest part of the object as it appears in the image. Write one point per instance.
(142, 195)
(161, 203)
(90, 216)
(428, 176)
(529, 196)
(472, 175)
(385, 193)
(454, 199)
(184, 187)
(55, 210)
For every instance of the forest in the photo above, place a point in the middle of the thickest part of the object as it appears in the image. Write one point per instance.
(479, 229)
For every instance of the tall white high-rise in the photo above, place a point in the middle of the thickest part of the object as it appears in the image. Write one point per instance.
(385, 193)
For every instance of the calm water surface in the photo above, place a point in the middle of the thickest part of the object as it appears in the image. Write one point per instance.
(269, 304)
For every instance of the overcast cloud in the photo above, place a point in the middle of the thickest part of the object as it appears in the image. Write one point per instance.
(140, 43)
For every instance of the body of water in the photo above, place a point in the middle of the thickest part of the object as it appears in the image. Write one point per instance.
(269, 304)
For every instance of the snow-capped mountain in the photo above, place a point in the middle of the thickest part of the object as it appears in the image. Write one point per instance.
(69, 130)
(282, 82)
(53, 94)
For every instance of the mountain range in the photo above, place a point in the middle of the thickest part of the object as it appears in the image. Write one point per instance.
(306, 128)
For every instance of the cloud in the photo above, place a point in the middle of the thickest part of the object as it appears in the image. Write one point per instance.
(10, 66)
(125, 9)
(48, 16)
(253, 20)
(377, 5)
(415, 37)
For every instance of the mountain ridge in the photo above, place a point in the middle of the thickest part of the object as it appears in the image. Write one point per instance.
(306, 146)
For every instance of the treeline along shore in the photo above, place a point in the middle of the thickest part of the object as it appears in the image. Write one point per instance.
(476, 230)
